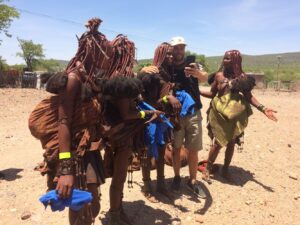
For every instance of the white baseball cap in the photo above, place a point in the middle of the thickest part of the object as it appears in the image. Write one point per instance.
(177, 41)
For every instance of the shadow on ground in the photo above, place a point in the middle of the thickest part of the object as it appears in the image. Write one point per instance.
(10, 174)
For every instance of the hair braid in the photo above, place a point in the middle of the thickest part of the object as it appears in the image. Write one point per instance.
(160, 54)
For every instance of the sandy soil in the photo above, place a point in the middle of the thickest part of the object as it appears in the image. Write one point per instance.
(266, 188)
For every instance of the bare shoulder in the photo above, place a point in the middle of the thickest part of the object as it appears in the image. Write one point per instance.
(74, 82)
(73, 76)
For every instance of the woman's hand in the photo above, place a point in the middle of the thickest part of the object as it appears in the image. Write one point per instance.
(154, 115)
(270, 114)
(150, 69)
(174, 103)
(65, 185)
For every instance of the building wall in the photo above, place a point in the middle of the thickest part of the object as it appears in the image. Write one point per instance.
(259, 79)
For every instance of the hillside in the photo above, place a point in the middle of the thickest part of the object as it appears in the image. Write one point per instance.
(289, 64)
(262, 62)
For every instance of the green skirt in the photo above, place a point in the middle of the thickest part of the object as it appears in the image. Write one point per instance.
(228, 117)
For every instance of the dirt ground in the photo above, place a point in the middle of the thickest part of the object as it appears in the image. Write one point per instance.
(266, 188)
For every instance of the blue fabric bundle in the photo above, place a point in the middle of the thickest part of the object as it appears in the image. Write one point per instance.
(75, 202)
(187, 103)
(155, 137)
(155, 131)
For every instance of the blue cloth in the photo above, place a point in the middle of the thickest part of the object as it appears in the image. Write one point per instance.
(155, 137)
(155, 131)
(187, 103)
(146, 106)
(75, 202)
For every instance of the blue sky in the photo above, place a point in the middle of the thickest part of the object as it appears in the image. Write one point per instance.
(209, 27)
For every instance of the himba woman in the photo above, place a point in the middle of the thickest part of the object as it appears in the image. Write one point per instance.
(69, 123)
(121, 95)
(229, 109)
(157, 92)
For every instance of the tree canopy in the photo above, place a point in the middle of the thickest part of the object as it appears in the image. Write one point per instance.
(31, 53)
(7, 14)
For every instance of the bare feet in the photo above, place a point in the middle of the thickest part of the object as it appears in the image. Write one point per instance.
(150, 197)
(206, 175)
(148, 193)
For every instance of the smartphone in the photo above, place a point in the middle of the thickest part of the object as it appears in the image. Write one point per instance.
(190, 59)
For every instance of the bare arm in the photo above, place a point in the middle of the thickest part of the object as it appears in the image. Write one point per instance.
(194, 71)
(212, 93)
(65, 113)
(145, 114)
(173, 101)
(207, 94)
(251, 99)
(267, 111)
(132, 115)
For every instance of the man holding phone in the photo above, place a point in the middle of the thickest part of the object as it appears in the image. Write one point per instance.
(187, 76)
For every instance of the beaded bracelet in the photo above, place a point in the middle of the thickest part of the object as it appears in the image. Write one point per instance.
(261, 108)
(66, 167)
(165, 99)
(142, 114)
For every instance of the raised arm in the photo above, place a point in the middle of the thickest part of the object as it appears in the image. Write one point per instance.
(193, 70)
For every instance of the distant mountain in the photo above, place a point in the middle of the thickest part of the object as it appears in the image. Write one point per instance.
(262, 62)
(289, 67)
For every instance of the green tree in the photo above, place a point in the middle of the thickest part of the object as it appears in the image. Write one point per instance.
(31, 53)
(7, 14)
(3, 64)
(269, 76)
(51, 65)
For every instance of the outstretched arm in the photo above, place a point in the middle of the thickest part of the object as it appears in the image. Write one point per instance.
(212, 92)
(267, 111)
(207, 94)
